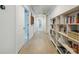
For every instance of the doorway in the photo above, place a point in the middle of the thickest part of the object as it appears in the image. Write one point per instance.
(40, 25)
(26, 24)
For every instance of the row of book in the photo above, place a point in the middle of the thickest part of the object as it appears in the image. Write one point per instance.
(74, 46)
(72, 19)
(74, 28)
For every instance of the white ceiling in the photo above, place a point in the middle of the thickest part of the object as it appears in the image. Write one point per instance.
(42, 9)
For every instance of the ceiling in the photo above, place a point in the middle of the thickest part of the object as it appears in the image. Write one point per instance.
(42, 9)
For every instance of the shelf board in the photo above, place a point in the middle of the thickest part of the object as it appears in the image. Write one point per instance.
(61, 24)
(52, 29)
(67, 47)
(74, 24)
(69, 38)
(63, 52)
(68, 24)
(56, 46)
(75, 32)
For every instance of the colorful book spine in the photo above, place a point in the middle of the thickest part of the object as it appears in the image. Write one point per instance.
(67, 19)
(73, 19)
(77, 19)
(70, 19)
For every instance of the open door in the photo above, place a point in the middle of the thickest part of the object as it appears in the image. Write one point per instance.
(26, 24)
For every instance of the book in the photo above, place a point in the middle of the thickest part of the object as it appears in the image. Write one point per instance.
(67, 19)
(70, 19)
(77, 18)
(73, 19)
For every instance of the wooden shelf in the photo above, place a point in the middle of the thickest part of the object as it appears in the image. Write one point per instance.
(67, 47)
(74, 24)
(56, 46)
(68, 24)
(63, 26)
(69, 38)
(76, 33)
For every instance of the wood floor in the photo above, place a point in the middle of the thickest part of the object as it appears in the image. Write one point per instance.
(39, 44)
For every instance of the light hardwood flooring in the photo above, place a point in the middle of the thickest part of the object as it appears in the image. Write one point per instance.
(39, 44)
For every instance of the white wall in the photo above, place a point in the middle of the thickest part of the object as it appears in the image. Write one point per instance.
(31, 27)
(11, 29)
(20, 39)
(7, 30)
(31, 31)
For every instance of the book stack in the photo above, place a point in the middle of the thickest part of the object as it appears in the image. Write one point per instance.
(72, 19)
(77, 18)
(74, 28)
(74, 46)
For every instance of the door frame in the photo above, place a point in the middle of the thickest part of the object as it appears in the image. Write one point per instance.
(26, 24)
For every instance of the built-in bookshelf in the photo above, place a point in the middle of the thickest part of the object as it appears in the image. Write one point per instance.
(65, 32)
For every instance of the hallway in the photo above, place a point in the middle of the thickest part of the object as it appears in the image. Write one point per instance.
(40, 43)
(35, 29)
